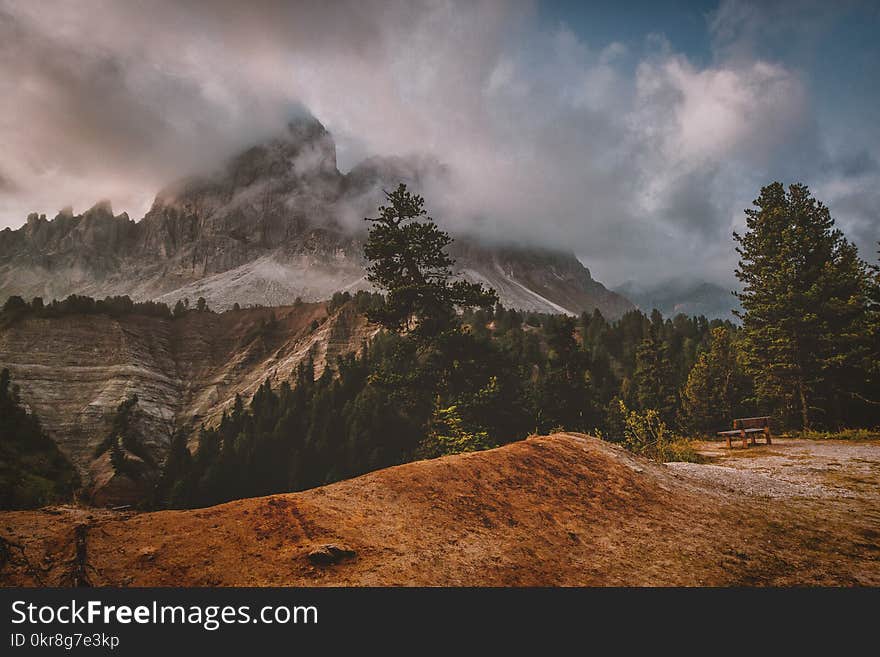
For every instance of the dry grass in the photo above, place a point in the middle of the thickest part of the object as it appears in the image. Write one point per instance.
(560, 510)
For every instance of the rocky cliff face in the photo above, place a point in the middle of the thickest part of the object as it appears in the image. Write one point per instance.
(277, 222)
(75, 370)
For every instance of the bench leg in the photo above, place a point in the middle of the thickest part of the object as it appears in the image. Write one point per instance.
(729, 446)
(767, 435)
(745, 439)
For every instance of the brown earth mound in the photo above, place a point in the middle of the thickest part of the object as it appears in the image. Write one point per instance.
(560, 510)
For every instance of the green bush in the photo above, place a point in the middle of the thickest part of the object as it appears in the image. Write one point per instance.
(646, 434)
(448, 435)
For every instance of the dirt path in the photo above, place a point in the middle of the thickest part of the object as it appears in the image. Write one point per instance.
(829, 469)
(818, 502)
(559, 510)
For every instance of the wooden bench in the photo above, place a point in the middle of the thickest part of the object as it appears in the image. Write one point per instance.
(748, 427)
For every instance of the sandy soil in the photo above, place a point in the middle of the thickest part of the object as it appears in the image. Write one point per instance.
(560, 510)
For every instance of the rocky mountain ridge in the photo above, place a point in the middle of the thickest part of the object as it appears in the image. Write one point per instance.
(276, 222)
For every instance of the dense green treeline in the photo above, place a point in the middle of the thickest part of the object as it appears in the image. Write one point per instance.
(504, 375)
(116, 306)
(77, 304)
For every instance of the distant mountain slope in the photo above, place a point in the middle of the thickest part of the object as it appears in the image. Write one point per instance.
(681, 296)
(277, 222)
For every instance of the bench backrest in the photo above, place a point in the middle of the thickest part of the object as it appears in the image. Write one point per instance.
(751, 422)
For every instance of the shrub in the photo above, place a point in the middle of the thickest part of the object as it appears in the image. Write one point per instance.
(646, 434)
(448, 435)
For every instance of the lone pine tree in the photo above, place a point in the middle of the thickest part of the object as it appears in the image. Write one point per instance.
(408, 260)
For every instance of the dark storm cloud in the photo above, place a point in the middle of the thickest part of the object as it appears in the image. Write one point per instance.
(624, 153)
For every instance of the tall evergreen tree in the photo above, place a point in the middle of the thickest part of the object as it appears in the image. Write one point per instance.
(871, 358)
(563, 394)
(803, 306)
(653, 378)
(408, 259)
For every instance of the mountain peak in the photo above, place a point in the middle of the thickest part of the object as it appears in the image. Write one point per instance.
(305, 149)
(277, 221)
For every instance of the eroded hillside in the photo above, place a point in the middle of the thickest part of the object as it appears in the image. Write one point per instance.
(74, 371)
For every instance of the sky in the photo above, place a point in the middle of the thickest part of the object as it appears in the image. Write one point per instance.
(633, 134)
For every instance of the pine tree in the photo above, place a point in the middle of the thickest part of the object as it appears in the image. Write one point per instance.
(715, 386)
(871, 356)
(175, 486)
(563, 394)
(408, 260)
(653, 379)
(803, 306)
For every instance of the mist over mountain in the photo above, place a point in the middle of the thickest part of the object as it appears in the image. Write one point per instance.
(624, 139)
(276, 222)
(687, 296)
